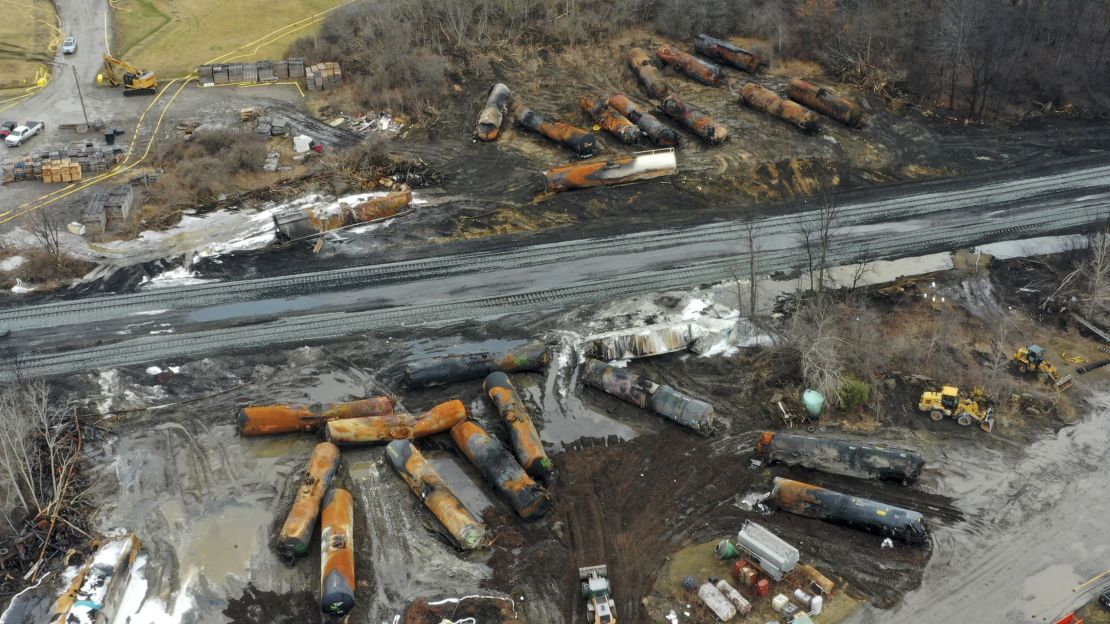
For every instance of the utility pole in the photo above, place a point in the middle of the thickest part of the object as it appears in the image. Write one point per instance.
(79, 96)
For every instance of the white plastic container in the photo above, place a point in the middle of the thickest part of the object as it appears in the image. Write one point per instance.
(743, 607)
(816, 605)
(778, 602)
(802, 598)
(716, 601)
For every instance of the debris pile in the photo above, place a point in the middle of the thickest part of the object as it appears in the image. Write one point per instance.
(95, 591)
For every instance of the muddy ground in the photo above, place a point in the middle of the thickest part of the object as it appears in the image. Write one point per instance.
(632, 490)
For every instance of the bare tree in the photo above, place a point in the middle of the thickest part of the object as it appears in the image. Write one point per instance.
(1095, 273)
(46, 228)
(827, 213)
(753, 285)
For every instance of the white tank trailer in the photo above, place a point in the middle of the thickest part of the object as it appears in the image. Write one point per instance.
(772, 553)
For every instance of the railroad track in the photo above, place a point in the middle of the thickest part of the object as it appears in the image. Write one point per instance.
(995, 196)
(334, 325)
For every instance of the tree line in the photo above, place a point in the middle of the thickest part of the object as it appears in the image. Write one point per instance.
(979, 59)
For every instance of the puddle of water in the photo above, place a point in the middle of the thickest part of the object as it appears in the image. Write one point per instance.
(560, 415)
(216, 542)
(1041, 592)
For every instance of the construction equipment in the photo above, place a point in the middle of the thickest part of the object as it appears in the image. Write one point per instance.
(1031, 360)
(118, 72)
(598, 594)
(948, 403)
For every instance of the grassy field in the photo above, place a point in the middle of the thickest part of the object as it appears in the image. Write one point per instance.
(173, 37)
(27, 30)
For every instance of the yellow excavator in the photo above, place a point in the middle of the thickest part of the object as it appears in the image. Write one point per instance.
(966, 410)
(1031, 360)
(135, 81)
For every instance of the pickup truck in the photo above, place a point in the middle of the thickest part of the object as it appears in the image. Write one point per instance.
(21, 133)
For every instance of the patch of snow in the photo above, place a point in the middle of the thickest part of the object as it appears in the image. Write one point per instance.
(694, 309)
(181, 276)
(12, 263)
(20, 287)
(161, 331)
(149, 312)
(108, 382)
(136, 608)
(619, 363)
(154, 370)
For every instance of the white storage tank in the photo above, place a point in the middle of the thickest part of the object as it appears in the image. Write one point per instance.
(716, 601)
(774, 556)
(743, 607)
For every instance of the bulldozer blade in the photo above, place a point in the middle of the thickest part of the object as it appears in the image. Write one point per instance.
(599, 570)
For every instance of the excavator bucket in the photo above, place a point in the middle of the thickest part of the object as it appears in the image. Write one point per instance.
(1063, 383)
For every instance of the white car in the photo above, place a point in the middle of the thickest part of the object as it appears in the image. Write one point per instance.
(69, 46)
(20, 135)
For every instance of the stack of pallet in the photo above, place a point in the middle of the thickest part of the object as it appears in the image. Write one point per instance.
(323, 76)
(258, 71)
(60, 170)
(108, 209)
(74, 161)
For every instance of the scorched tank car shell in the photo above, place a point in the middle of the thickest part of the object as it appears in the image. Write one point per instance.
(859, 513)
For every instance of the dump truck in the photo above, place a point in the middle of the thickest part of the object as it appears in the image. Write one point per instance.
(598, 594)
(1031, 359)
(966, 410)
(118, 72)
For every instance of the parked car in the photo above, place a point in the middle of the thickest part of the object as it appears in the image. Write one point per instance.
(1104, 598)
(6, 128)
(20, 134)
(69, 46)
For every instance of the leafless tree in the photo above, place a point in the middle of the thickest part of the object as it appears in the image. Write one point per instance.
(753, 284)
(46, 228)
(827, 213)
(1095, 273)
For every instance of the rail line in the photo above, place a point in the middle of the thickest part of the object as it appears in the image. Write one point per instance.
(333, 325)
(1001, 195)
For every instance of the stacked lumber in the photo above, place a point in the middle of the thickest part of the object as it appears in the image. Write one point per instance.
(323, 76)
(257, 71)
(74, 161)
(60, 170)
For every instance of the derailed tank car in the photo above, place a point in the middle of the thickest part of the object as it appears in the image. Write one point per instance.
(577, 140)
(725, 52)
(657, 132)
(812, 501)
(846, 457)
(825, 102)
(493, 113)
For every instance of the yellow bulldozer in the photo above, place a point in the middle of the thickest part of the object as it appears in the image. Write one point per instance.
(1031, 360)
(118, 72)
(949, 404)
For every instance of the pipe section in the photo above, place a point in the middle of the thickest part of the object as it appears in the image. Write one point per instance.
(619, 170)
(645, 393)
(844, 457)
(476, 365)
(812, 501)
(640, 62)
(822, 100)
(292, 542)
(692, 66)
(610, 120)
(695, 120)
(380, 429)
(526, 440)
(489, 120)
(577, 140)
(337, 555)
(657, 132)
(725, 52)
(256, 420)
(430, 488)
(766, 100)
(500, 469)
